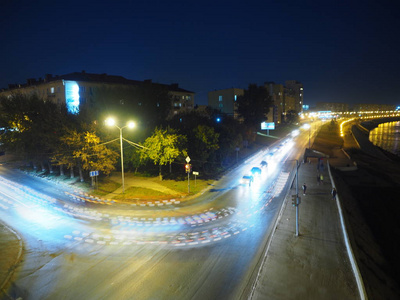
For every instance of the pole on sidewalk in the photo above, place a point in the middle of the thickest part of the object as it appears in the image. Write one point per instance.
(188, 182)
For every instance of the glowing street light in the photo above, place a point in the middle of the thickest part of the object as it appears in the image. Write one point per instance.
(111, 122)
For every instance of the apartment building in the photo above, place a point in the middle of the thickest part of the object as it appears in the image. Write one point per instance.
(332, 106)
(295, 90)
(80, 88)
(363, 107)
(225, 100)
(277, 94)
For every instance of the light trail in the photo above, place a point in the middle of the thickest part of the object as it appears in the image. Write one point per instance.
(83, 223)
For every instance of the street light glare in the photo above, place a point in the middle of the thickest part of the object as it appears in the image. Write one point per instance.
(131, 124)
(110, 121)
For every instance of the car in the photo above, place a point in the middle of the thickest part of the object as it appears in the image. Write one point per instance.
(247, 179)
(256, 171)
(264, 164)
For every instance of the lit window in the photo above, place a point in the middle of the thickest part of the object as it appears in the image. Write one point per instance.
(221, 105)
(52, 90)
(235, 97)
(219, 98)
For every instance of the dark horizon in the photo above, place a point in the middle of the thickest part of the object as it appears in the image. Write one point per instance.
(340, 51)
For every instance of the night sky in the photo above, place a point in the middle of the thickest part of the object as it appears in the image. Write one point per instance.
(342, 51)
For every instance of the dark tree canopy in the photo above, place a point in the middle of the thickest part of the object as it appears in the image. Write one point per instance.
(254, 105)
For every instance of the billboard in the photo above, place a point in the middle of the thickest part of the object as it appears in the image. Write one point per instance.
(267, 126)
(72, 96)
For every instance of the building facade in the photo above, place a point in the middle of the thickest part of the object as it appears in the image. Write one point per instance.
(332, 106)
(295, 89)
(277, 94)
(225, 100)
(81, 88)
(373, 107)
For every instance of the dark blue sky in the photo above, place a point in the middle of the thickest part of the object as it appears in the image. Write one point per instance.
(342, 51)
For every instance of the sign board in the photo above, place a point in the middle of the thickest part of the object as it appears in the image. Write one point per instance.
(195, 173)
(94, 173)
(188, 159)
(267, 126)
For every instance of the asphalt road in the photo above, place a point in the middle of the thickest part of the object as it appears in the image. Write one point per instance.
(208, 248)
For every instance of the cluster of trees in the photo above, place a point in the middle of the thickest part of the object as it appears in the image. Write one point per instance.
(46, 135)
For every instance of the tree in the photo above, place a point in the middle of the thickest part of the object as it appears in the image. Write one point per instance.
(85, 151)
(65, 154)
(292, 117)
(32, 126)
(230, 138)
(162, 147)
(205, 142)
(254, 105)
(95, 156)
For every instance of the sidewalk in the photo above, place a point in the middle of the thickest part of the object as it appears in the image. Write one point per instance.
(11, 251)
(315, 264)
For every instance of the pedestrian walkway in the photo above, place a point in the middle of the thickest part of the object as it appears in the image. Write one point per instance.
(11, 251)
(315, 264)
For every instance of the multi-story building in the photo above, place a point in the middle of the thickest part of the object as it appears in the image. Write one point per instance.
(295, 90)
(290, 101)
(284, 99)
(373, 107)
(225, 100)
(79, 88)
(276, 91)
(332, 106)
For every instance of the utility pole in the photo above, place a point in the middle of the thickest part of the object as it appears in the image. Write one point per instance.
(297, 197)
(188, 169)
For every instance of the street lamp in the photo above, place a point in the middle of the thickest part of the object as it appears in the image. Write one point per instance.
(130, 124)
(296, 198)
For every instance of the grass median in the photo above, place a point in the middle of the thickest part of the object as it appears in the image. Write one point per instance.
(149, 188)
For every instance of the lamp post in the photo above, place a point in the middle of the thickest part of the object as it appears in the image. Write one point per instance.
(130, 124)
(296, 198)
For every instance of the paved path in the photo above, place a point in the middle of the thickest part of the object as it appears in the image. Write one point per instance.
(315, 264)
(11, 251)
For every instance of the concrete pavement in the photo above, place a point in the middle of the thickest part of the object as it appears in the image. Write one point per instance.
(11, 253)
(318, 263)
